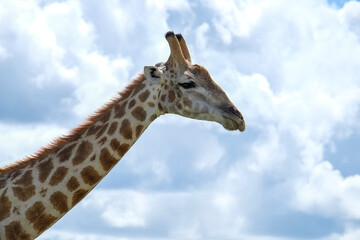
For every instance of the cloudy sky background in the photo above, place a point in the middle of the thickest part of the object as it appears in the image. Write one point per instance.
(291, 67)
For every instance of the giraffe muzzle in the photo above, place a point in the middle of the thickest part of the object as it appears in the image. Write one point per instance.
(233, 119)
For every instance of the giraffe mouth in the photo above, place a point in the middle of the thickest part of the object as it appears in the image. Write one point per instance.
(234, 124)
(233, 119)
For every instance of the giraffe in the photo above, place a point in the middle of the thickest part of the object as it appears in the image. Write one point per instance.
(39, 190)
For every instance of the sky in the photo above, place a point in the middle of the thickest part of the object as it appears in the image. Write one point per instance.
(290, 67)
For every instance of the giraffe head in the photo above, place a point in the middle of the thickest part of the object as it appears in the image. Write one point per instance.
(187, 89)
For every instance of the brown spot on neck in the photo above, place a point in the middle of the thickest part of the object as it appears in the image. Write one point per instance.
(90, 176)
(139, 129)
(163, 98)
(139, 113)
(131, 103)
(143, 96)
(58, 176)
(37, 216)
(5, 206)
(2, 183)
(125, 129)
(171, 96)
(178, 105)
(72, 184)
(65, 154)
(102, 130)
(105, 117)
(78, 195)
(25, 180)
(82, 152)
(59, 202)
(112, 128)
(121, 149)
(45, 169)
(102, 141)
(153, 117)
(138, 88)
(120, 109)
(160, 107)
(107, 160)
(14, 230)
(24, 193)
(93, 130)
(24, 188)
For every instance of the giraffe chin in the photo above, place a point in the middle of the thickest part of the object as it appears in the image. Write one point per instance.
(232, 124)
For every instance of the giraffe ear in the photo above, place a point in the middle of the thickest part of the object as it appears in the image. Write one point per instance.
(153, 74)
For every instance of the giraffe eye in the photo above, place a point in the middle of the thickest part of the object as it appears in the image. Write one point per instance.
(187, 85)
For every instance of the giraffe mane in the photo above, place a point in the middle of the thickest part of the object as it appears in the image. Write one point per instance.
(76, 132)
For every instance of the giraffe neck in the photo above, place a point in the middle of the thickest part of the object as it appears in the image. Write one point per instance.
(36, 193)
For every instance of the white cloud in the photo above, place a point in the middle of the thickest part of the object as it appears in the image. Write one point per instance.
(96, 80)
(326, 192)
(201, 39)
(28, 36)
(306, 96)
(3, 53)
(129, 209)
(54, 43)
(18, 141)
(312, 97)
(68, 235)
(189, 215)
(350, 15)
(350, 234)
(234, 18)
(209, 153)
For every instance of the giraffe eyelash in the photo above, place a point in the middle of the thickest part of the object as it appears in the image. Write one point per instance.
(187, 85)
